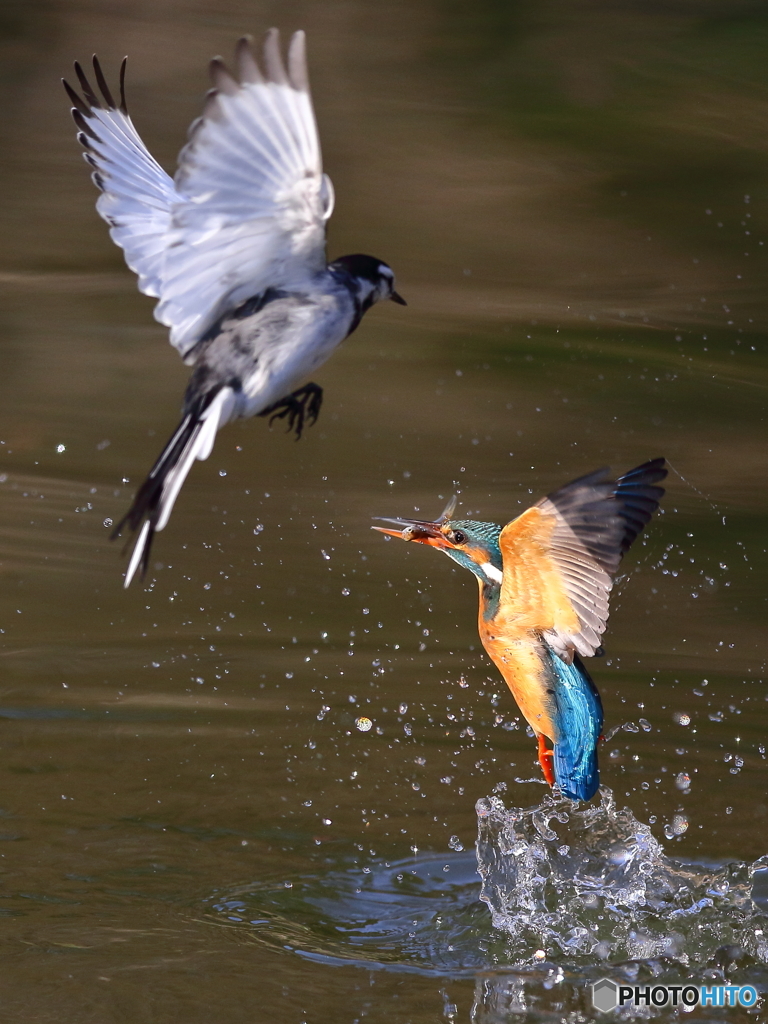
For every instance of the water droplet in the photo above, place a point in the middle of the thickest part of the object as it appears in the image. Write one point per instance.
(363, 724)
(455, 844)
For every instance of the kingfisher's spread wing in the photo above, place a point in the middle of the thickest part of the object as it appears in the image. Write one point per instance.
(248, 206)
(560, 556)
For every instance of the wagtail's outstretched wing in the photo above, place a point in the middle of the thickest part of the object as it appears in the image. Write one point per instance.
(137, 196)
(249, 202)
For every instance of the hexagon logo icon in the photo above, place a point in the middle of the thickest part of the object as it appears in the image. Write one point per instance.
(605, 995)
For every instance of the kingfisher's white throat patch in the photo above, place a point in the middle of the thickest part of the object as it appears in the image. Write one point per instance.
(492, 572)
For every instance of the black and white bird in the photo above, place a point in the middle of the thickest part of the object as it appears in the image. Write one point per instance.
(234, 249)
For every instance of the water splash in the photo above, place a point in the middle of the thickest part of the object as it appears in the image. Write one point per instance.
(568, 888)
(575, 895)
(592, 885)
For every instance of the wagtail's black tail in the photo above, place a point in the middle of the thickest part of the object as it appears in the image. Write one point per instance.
(152, 506)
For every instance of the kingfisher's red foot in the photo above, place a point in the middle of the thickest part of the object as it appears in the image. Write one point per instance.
(546, 759)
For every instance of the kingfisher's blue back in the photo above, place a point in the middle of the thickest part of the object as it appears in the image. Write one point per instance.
(578, 720)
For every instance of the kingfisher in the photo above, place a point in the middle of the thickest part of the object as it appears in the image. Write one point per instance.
(545, 579)
(233, 248)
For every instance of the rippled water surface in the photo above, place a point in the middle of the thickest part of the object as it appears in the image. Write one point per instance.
(192, 827)
(561, 911)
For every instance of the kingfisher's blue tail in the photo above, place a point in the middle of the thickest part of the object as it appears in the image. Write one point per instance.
(579, 722)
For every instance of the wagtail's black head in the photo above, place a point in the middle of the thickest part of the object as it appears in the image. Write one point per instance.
(374, 279)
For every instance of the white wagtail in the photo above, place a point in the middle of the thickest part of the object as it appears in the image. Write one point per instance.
(234, 249)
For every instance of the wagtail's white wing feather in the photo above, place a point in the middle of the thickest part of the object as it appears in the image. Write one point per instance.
(255, 198)
(136, 193)
(248, 206)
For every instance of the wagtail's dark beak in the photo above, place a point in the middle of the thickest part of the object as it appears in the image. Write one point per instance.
(398, 299)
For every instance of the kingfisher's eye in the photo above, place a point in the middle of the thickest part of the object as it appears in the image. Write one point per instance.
(459, 537)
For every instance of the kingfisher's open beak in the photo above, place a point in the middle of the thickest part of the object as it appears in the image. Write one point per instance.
(398, 299)
(420, 530)
(413, 529)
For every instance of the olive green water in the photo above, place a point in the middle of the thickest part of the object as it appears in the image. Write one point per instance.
(574, 198)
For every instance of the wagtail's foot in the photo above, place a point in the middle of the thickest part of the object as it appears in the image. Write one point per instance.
(300, 407)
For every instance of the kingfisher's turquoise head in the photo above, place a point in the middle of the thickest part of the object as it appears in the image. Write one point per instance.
(473, 544)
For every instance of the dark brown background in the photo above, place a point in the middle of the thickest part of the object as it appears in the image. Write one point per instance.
(573, 198)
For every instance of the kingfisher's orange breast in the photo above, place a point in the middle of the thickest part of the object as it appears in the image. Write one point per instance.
(518, 659)
(533, 599)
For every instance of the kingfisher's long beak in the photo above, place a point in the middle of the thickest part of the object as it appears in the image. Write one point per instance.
(398, 299)
(414, 529)
(420, 530)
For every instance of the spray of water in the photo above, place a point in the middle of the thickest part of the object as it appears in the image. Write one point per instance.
(576, 893)
(595, 884)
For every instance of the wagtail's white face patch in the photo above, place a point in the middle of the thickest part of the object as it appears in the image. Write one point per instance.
(384, 288)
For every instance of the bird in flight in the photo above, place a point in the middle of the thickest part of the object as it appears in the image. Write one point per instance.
(544, 581)
(233, 247)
